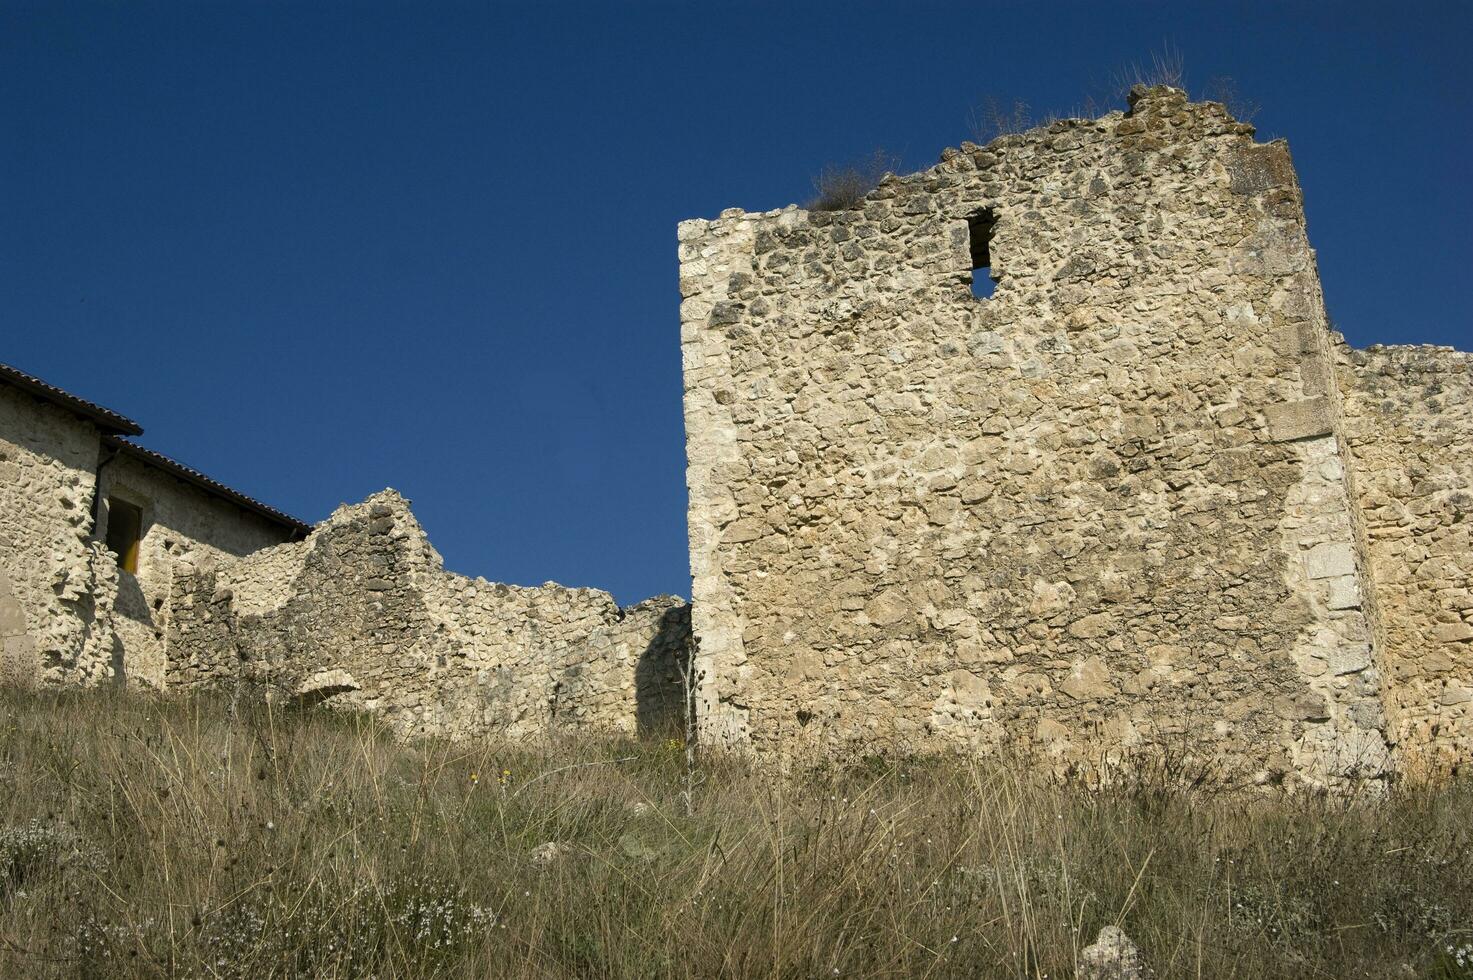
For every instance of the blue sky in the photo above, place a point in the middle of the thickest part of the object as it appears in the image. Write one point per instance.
(319, 249)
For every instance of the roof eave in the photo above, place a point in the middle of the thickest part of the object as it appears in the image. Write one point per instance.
(104, 418)
(210, 486)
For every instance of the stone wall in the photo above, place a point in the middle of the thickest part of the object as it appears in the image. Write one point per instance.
(1138, 500)
(1102, 511)
(1409, 429)
(56, 607)
(181, 524)
(362, 614)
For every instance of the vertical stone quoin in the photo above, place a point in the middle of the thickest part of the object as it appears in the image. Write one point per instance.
(1322, 535)
(1105, 511)
(716, 259)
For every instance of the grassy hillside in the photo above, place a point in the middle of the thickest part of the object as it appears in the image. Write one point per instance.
(146, 838)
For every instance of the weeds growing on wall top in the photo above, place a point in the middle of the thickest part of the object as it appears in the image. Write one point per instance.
(994, 116)
(839, 187)
(147, 839)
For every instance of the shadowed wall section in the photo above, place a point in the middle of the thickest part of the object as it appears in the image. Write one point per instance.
(1409, 431)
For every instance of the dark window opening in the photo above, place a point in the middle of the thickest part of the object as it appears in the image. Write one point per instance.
(980, 226)
(124, 529)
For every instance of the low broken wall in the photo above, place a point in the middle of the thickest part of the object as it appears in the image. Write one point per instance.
(1409, 432)
(362, 614)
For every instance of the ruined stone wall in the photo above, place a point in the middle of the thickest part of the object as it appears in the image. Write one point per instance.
(635, 659)
(56, 605)
(1102, 510)
(363, 614)
(181, 525)
(1409, 430)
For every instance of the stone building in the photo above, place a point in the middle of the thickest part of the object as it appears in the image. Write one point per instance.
(119, 564)
(91, 530)
(1051, 448)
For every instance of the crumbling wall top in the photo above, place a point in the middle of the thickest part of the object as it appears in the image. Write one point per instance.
(1163, 111)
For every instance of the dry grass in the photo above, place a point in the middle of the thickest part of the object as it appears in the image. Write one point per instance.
(993, 116)
(1165, 66)
(150, 839)
(839, 187)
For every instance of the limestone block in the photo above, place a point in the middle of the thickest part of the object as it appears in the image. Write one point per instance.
(1350, 658)
(1113, 956)
(888, 608)
(1303, 419)
(1050, 598)
(1453, 632)
(744, 530)
(1344, 592)
(1093, 626)
(1330, 560)
(1088, 679)
(1308, 706)
(1362, 752)
(1050, 732)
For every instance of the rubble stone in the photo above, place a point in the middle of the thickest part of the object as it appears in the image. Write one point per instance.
(1112, 956)
(1146, 439)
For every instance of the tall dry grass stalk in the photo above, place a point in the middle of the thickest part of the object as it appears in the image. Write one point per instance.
(141, 838)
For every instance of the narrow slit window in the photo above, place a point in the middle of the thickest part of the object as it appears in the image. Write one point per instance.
(980, 227)
(124, 530)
